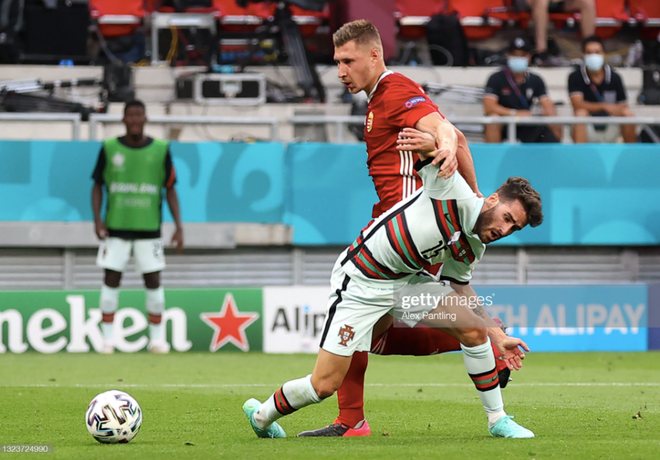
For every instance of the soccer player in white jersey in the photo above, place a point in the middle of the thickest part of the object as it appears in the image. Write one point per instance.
(446, 222)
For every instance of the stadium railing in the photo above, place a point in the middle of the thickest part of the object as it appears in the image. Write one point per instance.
(74, 118)
(511, 122)
(101, 119)
(340, 122)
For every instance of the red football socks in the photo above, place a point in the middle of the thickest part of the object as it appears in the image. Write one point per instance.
(397, 340)
(351, 392)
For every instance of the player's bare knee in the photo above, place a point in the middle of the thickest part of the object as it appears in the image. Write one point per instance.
(474, 336)
(112, 278)
(581, 113)
(326, 387)
(151, 280)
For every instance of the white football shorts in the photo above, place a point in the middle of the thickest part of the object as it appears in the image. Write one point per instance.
(114, 254)
(354, 308)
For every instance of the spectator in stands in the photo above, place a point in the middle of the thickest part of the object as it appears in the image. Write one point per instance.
(540, 14)
(134, 169)
(513, 91)
(597, 90)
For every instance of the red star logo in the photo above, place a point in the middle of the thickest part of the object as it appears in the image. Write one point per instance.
(229, 325)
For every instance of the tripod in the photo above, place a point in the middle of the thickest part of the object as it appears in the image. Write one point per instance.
(306, 76)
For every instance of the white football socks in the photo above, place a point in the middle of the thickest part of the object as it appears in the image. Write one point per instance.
(155, 307)
(293, 395)
(108, 302)
(480, 365)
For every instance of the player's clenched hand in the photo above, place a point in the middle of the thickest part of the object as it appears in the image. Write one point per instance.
(177, 240)
(510, 348)
(449, 162)
(101, 230)
(413, 140)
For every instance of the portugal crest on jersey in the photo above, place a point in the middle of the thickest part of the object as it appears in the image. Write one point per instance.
(346, 334)
(370, 121)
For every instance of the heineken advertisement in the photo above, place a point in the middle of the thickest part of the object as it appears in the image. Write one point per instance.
(196, 320)
(290, 319)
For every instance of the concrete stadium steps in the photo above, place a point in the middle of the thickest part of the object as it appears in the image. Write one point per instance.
(155, 85)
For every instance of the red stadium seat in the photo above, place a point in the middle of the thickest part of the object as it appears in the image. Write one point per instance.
(476, 17)
(232, 14)
(309, 21)
(647, 13)
(117, 17)
(154, 6)
(610, 16)
(413, 16)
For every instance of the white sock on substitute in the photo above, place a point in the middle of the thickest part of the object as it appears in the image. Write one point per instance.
(480, 364)
(107, 329)
(293, 395)
(155, 307)
(108, 302)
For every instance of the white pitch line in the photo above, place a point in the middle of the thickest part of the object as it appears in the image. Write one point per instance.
(274, 385)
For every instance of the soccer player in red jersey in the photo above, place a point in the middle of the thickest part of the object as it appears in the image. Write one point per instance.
(396, 106)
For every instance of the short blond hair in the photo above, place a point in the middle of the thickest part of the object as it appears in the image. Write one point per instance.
(361, 31)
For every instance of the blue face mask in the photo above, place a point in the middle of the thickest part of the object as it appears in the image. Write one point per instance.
(517, 64)
(594, 62)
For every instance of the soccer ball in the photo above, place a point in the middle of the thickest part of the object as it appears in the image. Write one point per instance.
(113, 417)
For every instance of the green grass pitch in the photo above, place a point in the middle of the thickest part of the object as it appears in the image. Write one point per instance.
(581, 406)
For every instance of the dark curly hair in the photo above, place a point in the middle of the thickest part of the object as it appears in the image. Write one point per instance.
(519, 188)
(134, 103)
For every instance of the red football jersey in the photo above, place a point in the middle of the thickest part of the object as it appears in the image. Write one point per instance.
(397, 102)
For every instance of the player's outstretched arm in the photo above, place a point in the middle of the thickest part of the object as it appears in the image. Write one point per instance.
(466, 163)
(509, 347)
(446, 140)
(413, 140)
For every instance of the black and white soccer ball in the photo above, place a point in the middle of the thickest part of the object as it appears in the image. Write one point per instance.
(113, 417)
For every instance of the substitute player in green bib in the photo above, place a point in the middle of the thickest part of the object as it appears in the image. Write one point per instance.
(133, 170)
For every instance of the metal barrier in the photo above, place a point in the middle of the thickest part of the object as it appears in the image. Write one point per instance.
(96, 119)
(74, 118)
(511, 122)
(338, 121)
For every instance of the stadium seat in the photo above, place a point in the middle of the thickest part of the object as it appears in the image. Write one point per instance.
(646, 13)
(309, 21)
(413, 16)
(156, 6)
(476, 17)
(232, 14)
(117, 18)
(610, 16)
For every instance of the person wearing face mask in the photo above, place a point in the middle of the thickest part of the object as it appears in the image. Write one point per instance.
(513, 91)
(597, 90)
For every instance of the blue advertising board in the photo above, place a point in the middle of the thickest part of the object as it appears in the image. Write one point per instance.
(573, 318)
(592, 195)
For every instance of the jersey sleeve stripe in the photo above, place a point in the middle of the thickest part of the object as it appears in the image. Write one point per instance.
(366, 268)
(441, 221)
(404, 253)
(397, 245)
(367, 257)
(462, 243)
(402, 232)
(447, 227)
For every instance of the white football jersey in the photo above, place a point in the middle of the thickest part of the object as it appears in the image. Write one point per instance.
(434, 225)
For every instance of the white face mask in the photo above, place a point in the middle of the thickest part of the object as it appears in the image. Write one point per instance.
(517, 64)
(594, 62)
